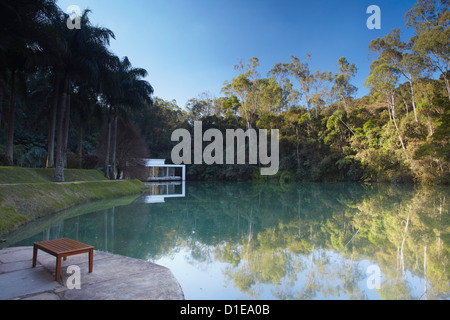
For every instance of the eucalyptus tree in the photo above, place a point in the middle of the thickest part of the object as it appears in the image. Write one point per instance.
(383, 79)
(246, 88)
(270, 95)
(305, 77)
(230, 106)
(342, 86)
(257, 96)
(398, 55)
(322, 94)
(203, 106)
(124, 90)
(314, 86)
(288, 96)
(430, 20)
(307, 81)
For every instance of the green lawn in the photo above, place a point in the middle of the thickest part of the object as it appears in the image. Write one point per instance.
(11, 175)
(29, 194)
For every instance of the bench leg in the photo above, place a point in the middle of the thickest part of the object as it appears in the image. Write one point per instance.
(58, 267)
(91, 260)
(35, 251)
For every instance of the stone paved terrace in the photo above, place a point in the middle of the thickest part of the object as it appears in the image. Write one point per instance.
(114, 278)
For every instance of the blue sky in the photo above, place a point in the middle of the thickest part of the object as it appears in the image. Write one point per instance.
(191, 46)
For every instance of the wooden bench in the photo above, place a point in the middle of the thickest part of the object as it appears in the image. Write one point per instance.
(62, 248)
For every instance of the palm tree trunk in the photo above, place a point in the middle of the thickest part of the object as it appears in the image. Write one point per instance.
(114, 156)
(108, 145)
(2, 93)
(80, 143)
(52, 126)
(66, 129)
(59, 165)
(11, 117)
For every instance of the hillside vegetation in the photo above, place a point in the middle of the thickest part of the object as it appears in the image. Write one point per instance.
(83, 107)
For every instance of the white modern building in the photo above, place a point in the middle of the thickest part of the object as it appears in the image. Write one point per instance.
(158, 170)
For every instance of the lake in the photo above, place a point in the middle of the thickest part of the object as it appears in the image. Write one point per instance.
(274, 241)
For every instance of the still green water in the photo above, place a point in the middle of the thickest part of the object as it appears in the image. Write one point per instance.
(276, 241)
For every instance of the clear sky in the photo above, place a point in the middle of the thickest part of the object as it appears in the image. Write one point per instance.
(191, 46)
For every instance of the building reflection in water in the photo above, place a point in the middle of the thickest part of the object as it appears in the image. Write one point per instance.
(159, 191)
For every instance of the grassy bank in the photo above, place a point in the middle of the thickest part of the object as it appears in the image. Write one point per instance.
(40, 225)
(11, 175)
(29, 194)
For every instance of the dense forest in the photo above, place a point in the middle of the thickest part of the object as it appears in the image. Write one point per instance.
(66, 101)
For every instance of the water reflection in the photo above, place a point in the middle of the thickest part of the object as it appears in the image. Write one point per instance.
(289, 241)
(159, 191)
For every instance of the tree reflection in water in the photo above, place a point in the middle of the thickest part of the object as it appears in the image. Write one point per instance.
(283, 241)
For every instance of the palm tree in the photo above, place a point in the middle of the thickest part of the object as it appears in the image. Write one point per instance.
(22, 26)
(86, 104)
(125, 91)
(78, 54)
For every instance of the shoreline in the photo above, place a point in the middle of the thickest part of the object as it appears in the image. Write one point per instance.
(21, 203)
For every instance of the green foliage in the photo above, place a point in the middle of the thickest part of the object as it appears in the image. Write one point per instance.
(399, 132)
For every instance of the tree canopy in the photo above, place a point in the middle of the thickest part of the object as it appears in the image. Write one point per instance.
(65, 99)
